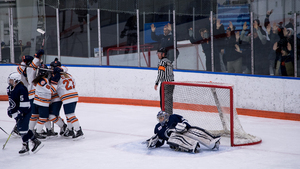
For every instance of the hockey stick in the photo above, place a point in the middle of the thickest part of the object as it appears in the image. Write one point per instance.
(4, 130)
(9, 135)
(43, 33)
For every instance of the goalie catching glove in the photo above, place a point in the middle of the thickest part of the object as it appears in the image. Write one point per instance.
(180, 127)
(154, 142)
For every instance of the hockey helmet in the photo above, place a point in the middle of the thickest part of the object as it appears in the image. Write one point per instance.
(55, 63)
(162, 117)
(162, 50)
(14, 78)
(42, 71)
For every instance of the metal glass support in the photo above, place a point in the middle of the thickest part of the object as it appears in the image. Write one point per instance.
(138, 36)
(174, 37)
(88, 30)
(99, 37)
(252, 52)
(58, 36)
(212, 41)
(295, 44)
(11, 35)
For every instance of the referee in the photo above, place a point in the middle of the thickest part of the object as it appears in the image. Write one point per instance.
(165, 73)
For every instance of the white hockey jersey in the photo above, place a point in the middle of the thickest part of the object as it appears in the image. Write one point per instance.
(31, 75)
(22, 71)
(43, 92)
(66, 89)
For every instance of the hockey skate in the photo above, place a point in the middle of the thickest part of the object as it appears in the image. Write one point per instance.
(79, 134)
(63, 129)
(37, 145)
(51, 133)
(68, 133)
(25, 149)
(39, 135)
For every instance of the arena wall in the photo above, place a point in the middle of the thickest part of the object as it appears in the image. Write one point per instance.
(261, 96)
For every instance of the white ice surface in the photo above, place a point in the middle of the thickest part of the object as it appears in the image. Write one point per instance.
(113, 136)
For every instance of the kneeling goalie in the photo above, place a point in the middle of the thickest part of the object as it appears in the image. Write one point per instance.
(180, 135)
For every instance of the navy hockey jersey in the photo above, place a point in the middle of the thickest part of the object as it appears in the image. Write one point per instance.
(18, 99)
(162, 131)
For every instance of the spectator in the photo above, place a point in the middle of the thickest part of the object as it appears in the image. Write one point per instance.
(232, 51)
(130, 30)
(285, 63)
(166, 40)
(218, 33)
(203, 38)
(259, 40)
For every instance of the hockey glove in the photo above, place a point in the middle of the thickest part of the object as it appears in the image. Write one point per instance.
(17, 115)
(27, 59)
(151, 142)
(39, 53)
(180, 127)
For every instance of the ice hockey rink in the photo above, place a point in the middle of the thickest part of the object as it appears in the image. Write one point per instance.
(114, 133)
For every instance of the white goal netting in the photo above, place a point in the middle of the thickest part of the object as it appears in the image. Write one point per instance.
(209, 106)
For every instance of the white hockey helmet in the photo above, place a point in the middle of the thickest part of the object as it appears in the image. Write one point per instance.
(162, 117)
(14, 78)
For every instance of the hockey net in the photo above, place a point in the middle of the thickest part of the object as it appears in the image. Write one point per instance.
(209, 106)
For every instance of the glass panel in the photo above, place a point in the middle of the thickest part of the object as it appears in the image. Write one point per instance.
(27, 17)
(271, 39)
(231, 42)
(119, 33)
(5, 35)
(297, 10)
(193, 34)
(159, 14)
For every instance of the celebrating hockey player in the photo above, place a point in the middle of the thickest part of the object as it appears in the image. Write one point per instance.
(180, 135)
(19, 109)
(56, 103)
(64, 84)
(43, 92)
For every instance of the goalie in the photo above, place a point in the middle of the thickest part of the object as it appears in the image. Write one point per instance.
(180, 135)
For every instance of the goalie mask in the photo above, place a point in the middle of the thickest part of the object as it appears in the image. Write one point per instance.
(14, 78)
(162, 117)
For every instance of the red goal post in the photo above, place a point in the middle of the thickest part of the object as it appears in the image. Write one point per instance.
(208, 105)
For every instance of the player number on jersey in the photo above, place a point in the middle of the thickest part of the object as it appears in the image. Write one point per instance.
(69, 84)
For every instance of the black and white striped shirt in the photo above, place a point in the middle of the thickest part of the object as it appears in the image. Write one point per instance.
(165, 71)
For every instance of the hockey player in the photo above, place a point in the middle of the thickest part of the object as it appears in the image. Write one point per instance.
(27, 70)
(19, 109)
(56, 104)
(64, 84)
(180, 135)
(42, 99)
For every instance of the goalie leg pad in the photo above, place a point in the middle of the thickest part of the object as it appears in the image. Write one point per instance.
(180, 142)
(203, 137)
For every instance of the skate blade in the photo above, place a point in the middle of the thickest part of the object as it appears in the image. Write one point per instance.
(39, 147)
(78, 138)
(24, 154)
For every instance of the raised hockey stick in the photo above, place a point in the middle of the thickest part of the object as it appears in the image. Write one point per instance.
(9, 136)
(43, 33)
(4, 130)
